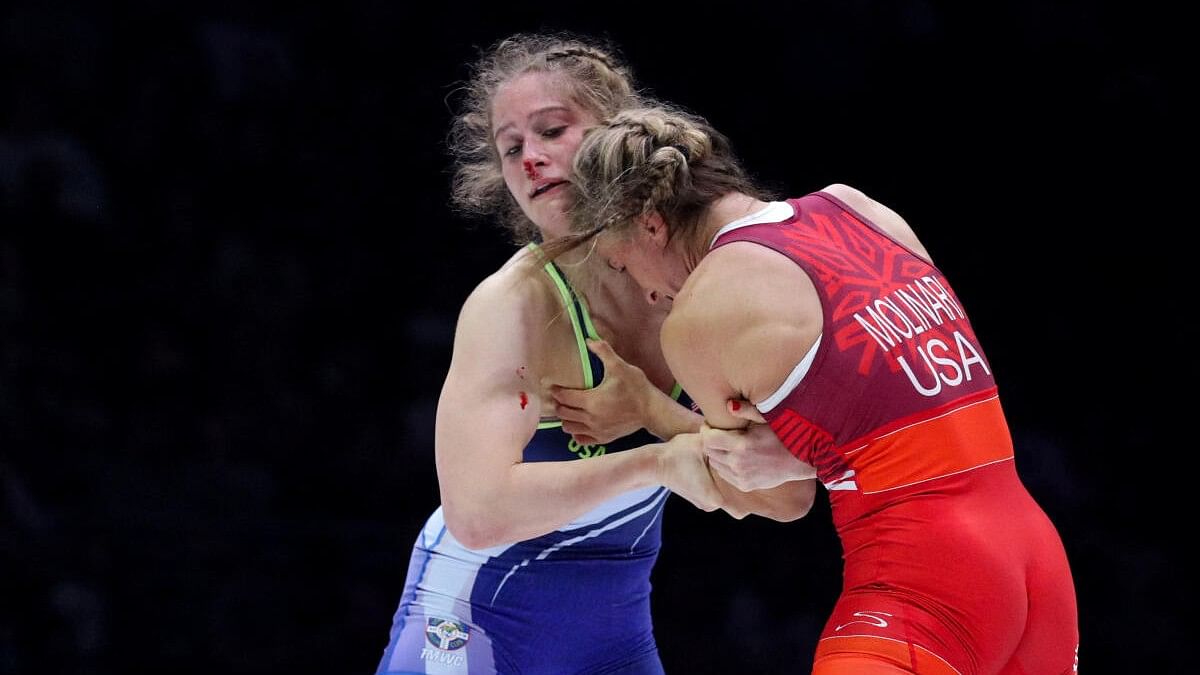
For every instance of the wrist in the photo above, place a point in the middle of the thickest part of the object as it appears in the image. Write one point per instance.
(657, 452)
(652, 411)
(646, 398)
(670, 417)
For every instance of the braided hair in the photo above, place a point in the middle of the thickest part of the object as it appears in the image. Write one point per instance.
(652, 159)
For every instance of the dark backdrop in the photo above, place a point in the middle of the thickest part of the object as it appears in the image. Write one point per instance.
(229, 281)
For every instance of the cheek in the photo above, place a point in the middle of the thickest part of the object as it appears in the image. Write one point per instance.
(512, 179)
(635, 267)
(611, 251)
(648, 271)
(570, 146)
(640, 272)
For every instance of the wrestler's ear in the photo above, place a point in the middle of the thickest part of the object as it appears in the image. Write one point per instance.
(654, 228)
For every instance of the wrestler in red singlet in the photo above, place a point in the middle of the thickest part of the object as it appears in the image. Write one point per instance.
(950, 565)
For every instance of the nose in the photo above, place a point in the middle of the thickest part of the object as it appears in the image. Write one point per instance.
(651, 297)
(535, 160)
(531, 169)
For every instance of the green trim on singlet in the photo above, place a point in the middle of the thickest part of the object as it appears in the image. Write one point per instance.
(569, 298)
(587, 319)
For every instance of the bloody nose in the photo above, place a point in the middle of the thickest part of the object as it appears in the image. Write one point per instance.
(530, 170)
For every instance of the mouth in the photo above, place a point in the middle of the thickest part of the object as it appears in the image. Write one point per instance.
(545, 188)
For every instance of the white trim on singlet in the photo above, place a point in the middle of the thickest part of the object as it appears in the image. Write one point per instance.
(774, 213)
(793, 380)
(771, 213)
(663, 493)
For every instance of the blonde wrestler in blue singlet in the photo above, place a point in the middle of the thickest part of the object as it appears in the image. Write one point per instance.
(574, 600)
(551, 475)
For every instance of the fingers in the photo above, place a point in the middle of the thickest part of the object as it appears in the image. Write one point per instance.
(575, 398)
(574, 428)
(588, 434)
(728, 473)
(569, 414)
(720, 440)
(720, 467)
(603, 350)
(744, 410)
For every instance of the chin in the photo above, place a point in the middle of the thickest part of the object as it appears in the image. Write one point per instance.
(553, 228)
(556, 227)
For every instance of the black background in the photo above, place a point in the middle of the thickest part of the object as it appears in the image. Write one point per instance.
(229, 279)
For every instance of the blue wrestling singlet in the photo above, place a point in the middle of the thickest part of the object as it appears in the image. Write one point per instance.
(574, 601)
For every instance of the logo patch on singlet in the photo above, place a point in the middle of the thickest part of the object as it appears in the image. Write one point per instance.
(584, 451)
(871, 619)
(446, 634)
(846, 482)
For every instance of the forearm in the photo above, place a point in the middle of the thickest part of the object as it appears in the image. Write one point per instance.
(531, 499)
(666, 417)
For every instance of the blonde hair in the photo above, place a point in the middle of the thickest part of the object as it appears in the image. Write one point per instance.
(656, 158)
(597, 80)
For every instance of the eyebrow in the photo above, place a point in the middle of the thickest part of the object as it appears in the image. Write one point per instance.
(535, 113)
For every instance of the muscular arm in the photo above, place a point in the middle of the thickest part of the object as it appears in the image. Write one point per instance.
(488, 412)
(739, 325)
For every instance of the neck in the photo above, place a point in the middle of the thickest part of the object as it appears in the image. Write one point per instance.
(608, 293)
(720, 213)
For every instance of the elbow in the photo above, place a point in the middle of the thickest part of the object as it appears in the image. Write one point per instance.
(473, 530)
(797, 504)
(735, 512)
(791, 515)
(801, 505)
